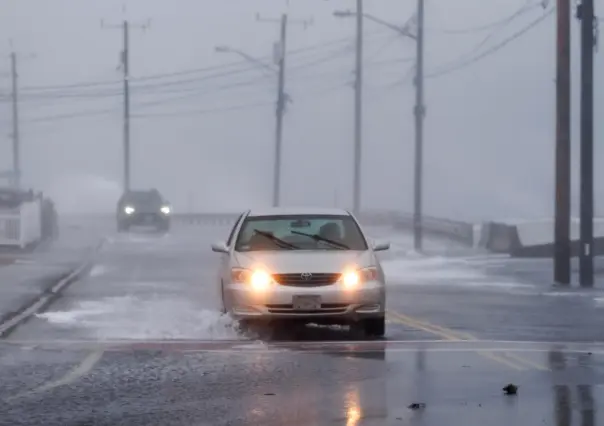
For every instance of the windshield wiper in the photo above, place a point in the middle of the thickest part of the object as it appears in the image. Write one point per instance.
(279, 241)
(317, 237)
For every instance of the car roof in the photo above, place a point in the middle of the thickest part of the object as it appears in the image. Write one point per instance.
(141, 191)
(293, 211)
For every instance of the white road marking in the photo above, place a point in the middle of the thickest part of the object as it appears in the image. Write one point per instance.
(17, 319)
(74, 374)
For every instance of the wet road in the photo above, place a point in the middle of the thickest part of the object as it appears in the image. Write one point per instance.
(140, 342)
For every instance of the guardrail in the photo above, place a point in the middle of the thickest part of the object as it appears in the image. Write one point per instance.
(521, 239)
(533, 239)
(460, 232)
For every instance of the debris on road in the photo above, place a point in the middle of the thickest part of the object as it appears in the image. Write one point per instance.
(417, 406)
(511, 389)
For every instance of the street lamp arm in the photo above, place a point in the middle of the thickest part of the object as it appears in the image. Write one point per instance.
(249, 58)
(401, 30)
(254, 60)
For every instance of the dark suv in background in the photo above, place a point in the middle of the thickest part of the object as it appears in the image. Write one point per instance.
(143, 208)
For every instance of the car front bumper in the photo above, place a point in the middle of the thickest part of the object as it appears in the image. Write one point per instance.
(144, 219)
(338, 304)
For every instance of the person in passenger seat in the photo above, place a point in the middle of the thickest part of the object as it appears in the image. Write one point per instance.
(331, 231)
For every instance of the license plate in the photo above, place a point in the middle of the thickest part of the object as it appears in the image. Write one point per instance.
(148, 219)
(306, 303)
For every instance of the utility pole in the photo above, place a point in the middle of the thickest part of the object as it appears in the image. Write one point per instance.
(15, 134)
(585, 12)
(562, 252)
(125, 65)
(280, 56)
(281, 52)
(419, 128)
(358, 109)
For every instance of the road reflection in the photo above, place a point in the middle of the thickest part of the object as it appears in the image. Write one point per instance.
(563, 371)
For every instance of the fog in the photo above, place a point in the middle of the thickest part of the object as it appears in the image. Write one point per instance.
(207, 143)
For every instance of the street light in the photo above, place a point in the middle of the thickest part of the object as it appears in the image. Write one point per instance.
(404, 30)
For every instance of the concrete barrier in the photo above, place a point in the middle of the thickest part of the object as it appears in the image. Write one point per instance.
(499, 238)
(460, 232)
(532, 239)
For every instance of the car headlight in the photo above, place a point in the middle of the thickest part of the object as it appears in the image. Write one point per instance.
(258, 279)
(129, 210)
(352, 279)
(166, 210)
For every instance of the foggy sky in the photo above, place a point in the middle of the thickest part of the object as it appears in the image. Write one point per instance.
(489, 138)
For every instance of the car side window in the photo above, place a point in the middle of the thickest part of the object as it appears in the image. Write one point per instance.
(232, 234)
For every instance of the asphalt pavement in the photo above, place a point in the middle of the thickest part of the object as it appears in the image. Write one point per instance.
(25, 274)
(140, 341)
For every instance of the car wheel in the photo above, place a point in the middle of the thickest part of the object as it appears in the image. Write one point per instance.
(374, 327)
(249, 326)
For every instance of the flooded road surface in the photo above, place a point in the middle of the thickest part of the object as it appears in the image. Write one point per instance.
(140, 341)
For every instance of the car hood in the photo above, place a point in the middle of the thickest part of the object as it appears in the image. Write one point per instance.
(304, 261)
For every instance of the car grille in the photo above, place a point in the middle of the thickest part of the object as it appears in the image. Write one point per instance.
(326, 308)
(303, 280)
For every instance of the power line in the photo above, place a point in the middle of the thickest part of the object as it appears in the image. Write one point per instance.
(204, 111)
(491, 25)
(80, 114)
(49, 93)
(520, 12)
(101, 112)
(117, 82)
(460, 65)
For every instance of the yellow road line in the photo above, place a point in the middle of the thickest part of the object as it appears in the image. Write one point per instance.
(528, 362)
(509, 359)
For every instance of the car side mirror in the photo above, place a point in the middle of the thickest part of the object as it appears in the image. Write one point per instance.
(220, 247)
(381, 246)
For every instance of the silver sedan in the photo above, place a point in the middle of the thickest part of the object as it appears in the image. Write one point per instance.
(310, 265)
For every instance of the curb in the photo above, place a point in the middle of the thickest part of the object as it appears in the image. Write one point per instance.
(48, 296)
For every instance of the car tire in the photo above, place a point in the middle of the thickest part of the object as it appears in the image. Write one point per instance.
(374, 327)
(247, 326)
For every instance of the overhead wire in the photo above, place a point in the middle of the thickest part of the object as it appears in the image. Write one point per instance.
(491, 25)
(181, 82)
(152, 77)
(188, 91)
(528, 7)
(457, 65)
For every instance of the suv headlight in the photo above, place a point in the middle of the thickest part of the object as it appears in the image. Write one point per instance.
(258, 279)
(352, 279)
(166, 209)
(129, 210)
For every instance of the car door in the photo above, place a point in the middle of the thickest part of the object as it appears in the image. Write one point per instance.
(225, 272)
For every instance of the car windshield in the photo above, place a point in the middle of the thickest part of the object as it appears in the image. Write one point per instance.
(300, 232)
(142, 199)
